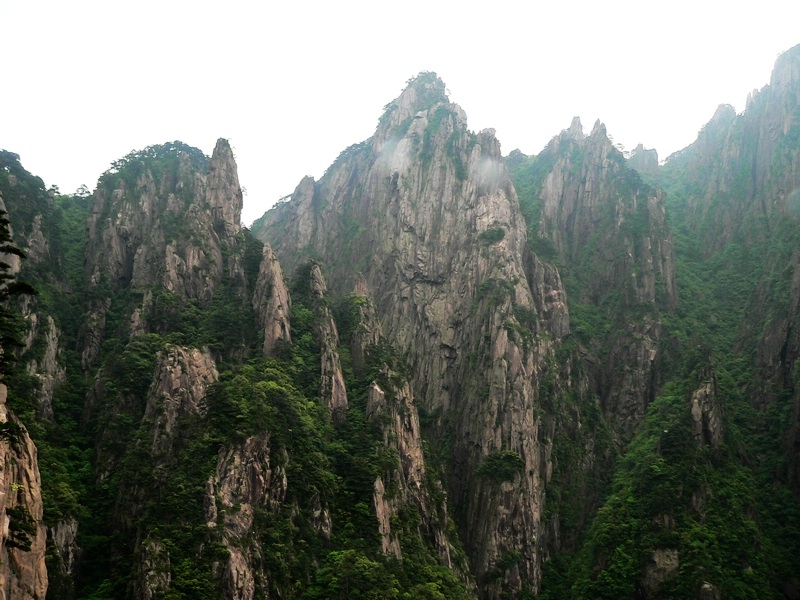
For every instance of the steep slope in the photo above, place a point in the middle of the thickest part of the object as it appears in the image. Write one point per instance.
(23, 574)
(34, 359)
(699, 504)
(592, 214)
(165, 219)
(210, 437)
(589, 213)
(425, 211)
(735, 189)
(477, 377)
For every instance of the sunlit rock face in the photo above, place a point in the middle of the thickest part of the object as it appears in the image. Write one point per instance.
(245, 481)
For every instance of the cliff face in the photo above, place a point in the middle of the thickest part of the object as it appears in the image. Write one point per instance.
(33, 230)
(175, 403)
(743, 168)
(737, 189)
(37, 342)
(607, 229)
(163, 218)
(332, 392)
(602, 219)
(426, 212)
(462, 386)
(407, 486)
(244, 481)
(644, 160)
(272, 304)
(22, 534)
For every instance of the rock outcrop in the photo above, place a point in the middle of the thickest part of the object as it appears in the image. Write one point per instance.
(177, 395)
(23, 574)
(584, 436)
(644, 160)
(162, 218)
(600, 216)
(65, 566)
(741, 178)
(395, 409)
(425, 212)
(244, 481)
(272, 304)
(707, 422)
(332, 393)
(549, 296)
(367, 334)
(663, 565)
(609, 229)
(48, 369)
(175, 404)
(223, 192)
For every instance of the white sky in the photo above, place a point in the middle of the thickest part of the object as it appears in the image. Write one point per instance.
(293, 83)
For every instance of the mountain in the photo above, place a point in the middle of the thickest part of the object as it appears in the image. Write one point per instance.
(436, 372)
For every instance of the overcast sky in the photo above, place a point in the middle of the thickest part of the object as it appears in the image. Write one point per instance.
(293, 83)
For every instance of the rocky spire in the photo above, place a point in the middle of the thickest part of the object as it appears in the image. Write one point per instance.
(332, 392)
(271, 303)
(223, 192)
(423, 91)
(425, 210)
(575, 130)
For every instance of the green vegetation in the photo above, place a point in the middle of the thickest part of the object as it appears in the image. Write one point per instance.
(132, 493)
(730, 517)
(492, 235)
(710, 493)
(501, 466)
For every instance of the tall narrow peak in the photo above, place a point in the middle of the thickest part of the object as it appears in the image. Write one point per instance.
(223, 192)
(333, 393)
(745, 166)
(271, 303)
(426, 213)
(160, 218)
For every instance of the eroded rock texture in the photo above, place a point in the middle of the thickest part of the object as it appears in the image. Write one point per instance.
(272, 304)
(332, 393)
(23, 575)
(425, 211)
(610, 230)
(166, 229)
(244, 481)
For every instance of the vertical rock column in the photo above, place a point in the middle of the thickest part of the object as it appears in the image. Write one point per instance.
(332, 389)
(272, 304)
